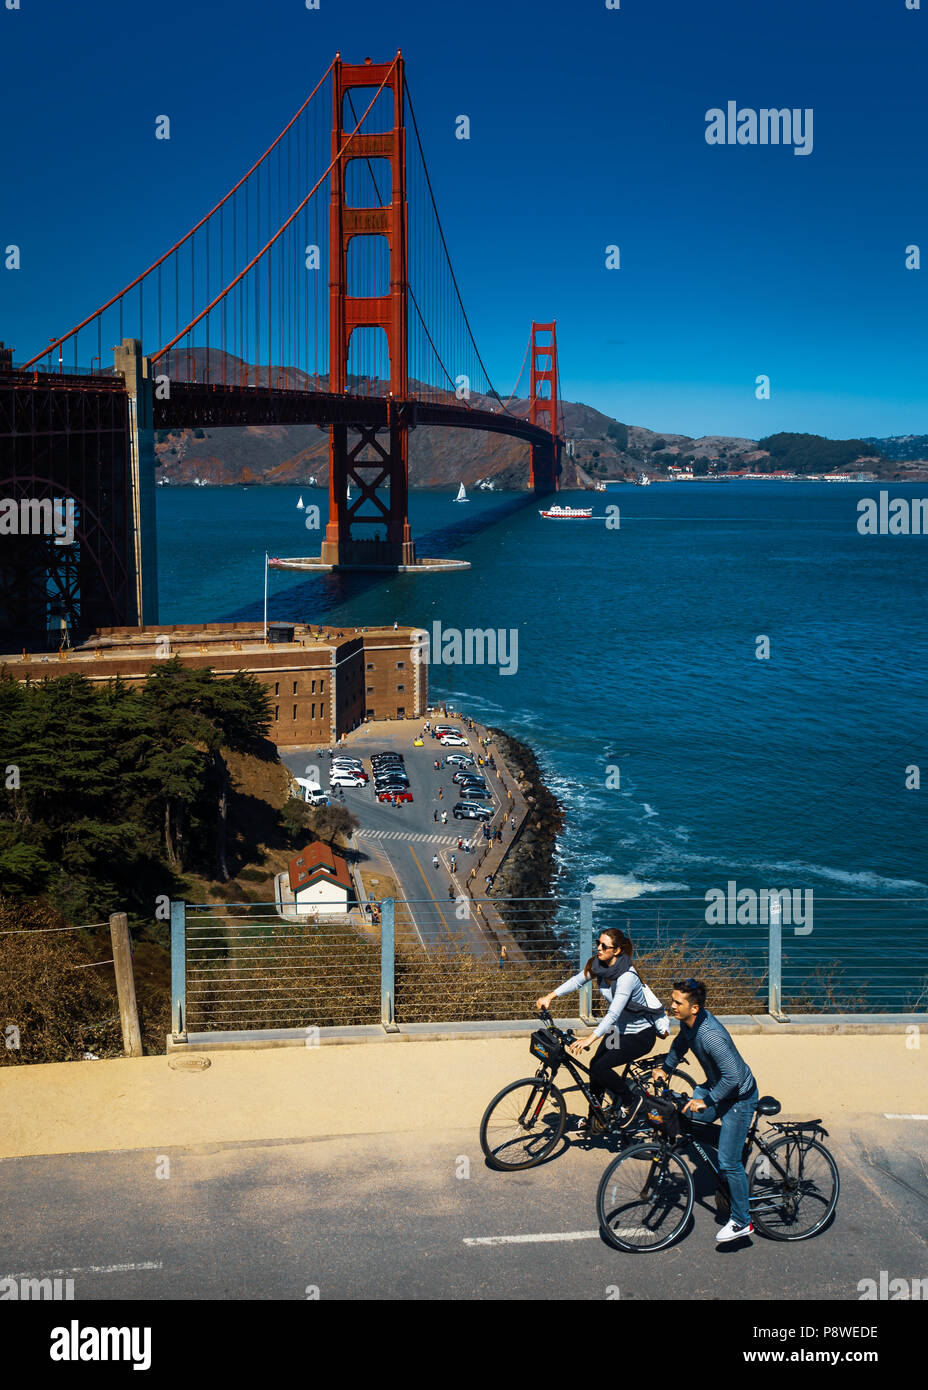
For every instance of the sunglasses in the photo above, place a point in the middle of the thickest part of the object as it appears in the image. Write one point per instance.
(604, 946)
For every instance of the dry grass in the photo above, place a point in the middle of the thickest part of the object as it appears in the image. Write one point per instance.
(60, 998)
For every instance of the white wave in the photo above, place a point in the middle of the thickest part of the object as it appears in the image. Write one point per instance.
(863, 878)
(649, 811)
(628, 886)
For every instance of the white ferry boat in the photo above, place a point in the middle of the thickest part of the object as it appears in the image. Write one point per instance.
(566, 513)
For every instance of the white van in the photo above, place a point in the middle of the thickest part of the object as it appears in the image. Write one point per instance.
(312, 792)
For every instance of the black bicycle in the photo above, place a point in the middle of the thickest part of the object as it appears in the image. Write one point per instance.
(646, 1195)
(525, 1121)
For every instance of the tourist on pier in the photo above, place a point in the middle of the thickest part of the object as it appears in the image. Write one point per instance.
(629, 1029)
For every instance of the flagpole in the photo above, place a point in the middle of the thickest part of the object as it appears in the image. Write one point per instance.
(265, 596)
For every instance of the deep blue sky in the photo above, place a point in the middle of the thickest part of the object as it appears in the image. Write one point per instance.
(588, 128)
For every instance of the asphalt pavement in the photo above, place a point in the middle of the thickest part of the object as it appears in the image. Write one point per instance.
(409, 836)
(412, 1215)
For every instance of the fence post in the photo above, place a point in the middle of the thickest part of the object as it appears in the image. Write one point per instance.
(586, 950)
(179, 971)
(775, 963)
(387, 966)
(125, 985)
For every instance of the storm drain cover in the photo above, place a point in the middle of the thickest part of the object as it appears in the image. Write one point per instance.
(189, 1063)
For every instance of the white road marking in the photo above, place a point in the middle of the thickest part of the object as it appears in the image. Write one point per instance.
(88, 1269)
(904, 1117)
(416, 836)
(530, 1240)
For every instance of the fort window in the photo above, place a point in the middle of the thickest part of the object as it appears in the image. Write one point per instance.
(277, 687)
(400, 687)
(276, 713)
(401, 665)
(294, 687)
(294, 711)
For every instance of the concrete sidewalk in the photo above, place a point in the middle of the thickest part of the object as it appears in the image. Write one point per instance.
(313, 1092)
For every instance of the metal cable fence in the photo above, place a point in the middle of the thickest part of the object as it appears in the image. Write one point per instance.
(240, 967)
(247, 969)
(482, 958)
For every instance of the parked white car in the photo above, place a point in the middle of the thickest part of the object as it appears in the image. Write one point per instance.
(344, 777)
(452, 741)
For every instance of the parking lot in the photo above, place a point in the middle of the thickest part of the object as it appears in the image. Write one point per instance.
(409, 836)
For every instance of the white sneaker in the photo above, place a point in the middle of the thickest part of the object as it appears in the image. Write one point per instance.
(732, 1231)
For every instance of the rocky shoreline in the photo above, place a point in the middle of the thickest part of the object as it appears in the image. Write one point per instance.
(529, 868)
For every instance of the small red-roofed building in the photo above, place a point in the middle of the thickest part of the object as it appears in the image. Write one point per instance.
(319, 881)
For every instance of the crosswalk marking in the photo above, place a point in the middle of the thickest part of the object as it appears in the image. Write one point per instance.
(417, 836)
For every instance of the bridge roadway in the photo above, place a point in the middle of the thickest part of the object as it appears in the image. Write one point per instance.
(356, 1170)
(204, 404)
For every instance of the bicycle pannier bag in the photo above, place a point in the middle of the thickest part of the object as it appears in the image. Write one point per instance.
(544, 1045)
(663, 1116)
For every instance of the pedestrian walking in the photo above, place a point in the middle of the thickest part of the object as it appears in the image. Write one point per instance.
(488, 880)
(460, 842)
(435, 814)
(512, 823)
(503, 957)
(444, 817)
(451, 891)
(440, 793)
(454, 863)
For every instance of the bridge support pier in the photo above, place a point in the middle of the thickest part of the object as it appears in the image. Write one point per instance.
(143, 579)
(546, 467)
(369, 463)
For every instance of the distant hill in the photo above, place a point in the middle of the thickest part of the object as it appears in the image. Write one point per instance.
(899, 447)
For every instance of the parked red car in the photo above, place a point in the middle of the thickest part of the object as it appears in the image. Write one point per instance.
(394, 796)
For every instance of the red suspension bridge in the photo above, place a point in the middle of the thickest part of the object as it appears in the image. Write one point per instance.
(319, 290)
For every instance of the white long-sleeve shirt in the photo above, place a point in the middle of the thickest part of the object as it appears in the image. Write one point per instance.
(628, 990)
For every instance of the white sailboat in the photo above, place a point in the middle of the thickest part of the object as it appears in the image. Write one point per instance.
(299, 506)
(462, 495)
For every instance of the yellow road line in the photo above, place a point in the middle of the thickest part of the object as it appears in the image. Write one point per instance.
(428, 889)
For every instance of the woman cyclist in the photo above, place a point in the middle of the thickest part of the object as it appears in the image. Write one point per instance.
(628, 1029)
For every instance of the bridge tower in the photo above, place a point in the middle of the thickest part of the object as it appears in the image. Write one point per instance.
(543, 396)
(352, 461)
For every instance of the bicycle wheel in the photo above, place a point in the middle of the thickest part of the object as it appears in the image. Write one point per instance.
(645, 1198)
(522, 1124)
(798, 1205)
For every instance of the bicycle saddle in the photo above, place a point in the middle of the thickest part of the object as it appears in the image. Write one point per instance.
(768, 1106)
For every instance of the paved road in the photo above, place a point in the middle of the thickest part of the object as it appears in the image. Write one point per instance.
(409, 836)
(389, 1216)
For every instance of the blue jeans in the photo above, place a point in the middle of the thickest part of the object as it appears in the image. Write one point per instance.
(735, 1117)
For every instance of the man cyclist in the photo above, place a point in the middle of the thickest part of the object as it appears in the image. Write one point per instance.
(730, 1094)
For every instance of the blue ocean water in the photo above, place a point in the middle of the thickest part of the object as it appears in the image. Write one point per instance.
(637, 651)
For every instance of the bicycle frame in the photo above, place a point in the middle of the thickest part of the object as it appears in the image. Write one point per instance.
(549, 1070)
(689, 1141)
